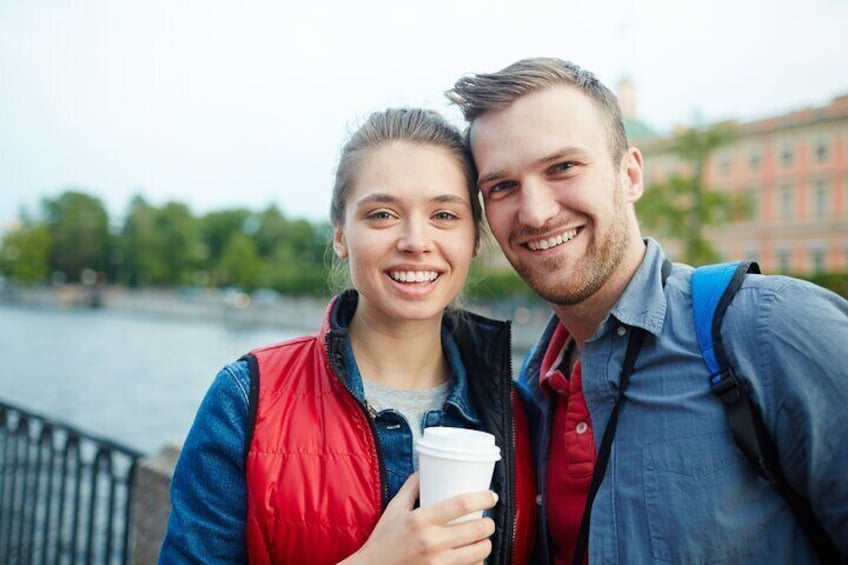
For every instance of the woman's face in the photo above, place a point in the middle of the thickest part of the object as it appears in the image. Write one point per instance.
(408, 232)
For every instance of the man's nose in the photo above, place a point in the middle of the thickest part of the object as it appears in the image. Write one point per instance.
(538, 204)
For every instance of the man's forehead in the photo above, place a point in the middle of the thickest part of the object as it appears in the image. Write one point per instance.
(544, 121)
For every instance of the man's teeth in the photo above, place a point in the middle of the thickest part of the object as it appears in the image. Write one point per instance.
(551, 241)
(414, 276)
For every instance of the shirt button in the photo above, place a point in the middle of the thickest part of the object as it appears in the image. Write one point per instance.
(582, 427)
(621, 330)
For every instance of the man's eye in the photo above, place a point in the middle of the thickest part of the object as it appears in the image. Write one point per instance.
(501, 187)
(562, 167)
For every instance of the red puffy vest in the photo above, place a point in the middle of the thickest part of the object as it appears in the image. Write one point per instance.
(312, 470)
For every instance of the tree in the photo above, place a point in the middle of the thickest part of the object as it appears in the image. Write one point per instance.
(180, 248)
(79, 232)
(139, 244)
(240, 263)
(25, 254)
(216, 229)
(683, 205)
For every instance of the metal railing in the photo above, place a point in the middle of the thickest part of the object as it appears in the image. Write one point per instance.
(64, 495)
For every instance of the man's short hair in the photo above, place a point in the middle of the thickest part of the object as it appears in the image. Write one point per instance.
(491, 92)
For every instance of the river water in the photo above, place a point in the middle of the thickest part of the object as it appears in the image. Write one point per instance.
(133, 378)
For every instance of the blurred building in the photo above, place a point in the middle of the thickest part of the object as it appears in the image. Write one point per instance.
(793, 168)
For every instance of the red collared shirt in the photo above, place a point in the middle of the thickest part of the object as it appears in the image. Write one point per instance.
(572, 452)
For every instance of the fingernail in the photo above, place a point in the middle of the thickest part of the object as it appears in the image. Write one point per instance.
(495, 496)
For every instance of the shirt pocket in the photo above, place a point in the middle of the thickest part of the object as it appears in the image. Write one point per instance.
(704, 502)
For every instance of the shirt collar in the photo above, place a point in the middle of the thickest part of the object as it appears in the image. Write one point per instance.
(643, 302)
(458, 397)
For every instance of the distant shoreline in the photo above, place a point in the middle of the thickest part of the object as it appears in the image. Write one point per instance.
(233, 307)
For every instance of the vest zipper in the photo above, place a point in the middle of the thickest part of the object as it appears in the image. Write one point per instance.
(512, 480)
(367, 411)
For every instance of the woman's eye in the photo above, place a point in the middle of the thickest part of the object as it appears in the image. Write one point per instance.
(379, 215)
(445, 216)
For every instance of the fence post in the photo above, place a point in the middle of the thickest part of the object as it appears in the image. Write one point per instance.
(151, 504)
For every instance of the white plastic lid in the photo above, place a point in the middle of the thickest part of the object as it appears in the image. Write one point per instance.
(458, 443)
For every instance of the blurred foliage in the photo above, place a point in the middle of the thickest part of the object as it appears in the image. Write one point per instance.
(680, 207)
(79, 233)
(167, 246)
(837, 282)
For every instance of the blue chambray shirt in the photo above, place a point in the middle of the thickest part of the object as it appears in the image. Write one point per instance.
(677, 489)
(393, 430)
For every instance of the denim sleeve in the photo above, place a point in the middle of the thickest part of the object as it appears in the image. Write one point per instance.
(793, 355)
(208, 489)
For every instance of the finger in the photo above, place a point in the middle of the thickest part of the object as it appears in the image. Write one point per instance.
(469, 532)
(459, 506)
(473, 553)
(407, 495)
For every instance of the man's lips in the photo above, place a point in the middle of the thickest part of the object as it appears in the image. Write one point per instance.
(551, 241)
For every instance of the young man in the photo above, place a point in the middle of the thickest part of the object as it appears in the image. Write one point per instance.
(559, 184)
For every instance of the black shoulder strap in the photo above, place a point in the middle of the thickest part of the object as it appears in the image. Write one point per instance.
(745, 419)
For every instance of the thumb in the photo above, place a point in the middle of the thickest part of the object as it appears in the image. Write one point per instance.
(408, 494)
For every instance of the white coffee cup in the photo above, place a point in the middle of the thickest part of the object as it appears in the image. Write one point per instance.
(455, 461)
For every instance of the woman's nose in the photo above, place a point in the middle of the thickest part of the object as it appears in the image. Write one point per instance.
(415, 238)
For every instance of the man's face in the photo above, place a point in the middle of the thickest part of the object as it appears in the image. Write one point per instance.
(558, 205)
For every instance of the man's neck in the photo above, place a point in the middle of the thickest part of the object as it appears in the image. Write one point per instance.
(582, 319)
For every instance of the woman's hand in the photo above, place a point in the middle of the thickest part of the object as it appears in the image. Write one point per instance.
(423, 535)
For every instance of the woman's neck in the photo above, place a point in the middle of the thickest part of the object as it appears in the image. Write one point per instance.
(406, 355)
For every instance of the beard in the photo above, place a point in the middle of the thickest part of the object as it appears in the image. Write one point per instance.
(557, 284)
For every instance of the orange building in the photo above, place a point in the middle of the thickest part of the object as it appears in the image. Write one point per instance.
(794, 170)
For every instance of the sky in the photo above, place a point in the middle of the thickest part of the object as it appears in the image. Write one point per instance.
(223, 104)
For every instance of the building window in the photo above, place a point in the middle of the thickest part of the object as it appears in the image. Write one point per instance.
(787, 154)
(724, 164)
(787, 204)
(783, 261)
(822, 150)
(821, 197)
(752, 203)
(817, 257)
(754, 160)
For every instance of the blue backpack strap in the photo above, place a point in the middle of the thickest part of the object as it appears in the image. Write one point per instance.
(713, 288)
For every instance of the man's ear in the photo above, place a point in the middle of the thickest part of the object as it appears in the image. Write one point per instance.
(339, 246)
(633, 181)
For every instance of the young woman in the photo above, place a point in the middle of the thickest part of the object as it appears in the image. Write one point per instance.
(303, 452)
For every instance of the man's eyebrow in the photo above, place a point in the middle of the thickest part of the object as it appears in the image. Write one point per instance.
(559, 154)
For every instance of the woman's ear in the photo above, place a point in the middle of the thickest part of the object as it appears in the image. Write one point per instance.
(339, 246)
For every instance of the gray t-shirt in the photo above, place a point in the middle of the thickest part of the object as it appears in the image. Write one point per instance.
(412, 404)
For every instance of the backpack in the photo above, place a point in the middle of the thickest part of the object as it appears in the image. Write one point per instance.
(713, 288)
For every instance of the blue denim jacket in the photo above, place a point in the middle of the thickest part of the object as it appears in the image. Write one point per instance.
(677, 489)
(212, 524)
